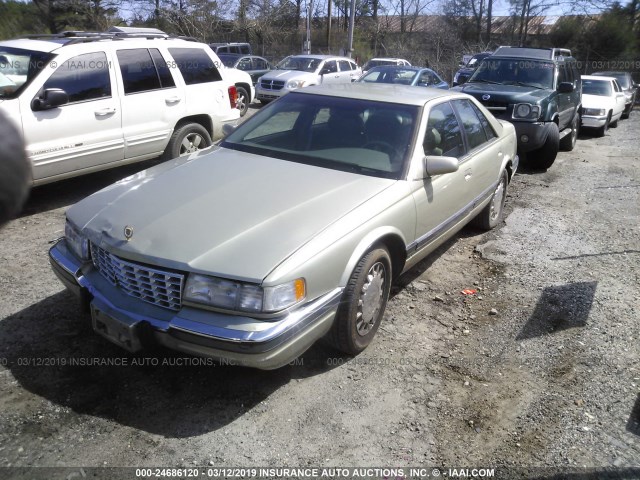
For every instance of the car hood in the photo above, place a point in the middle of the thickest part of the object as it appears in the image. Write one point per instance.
(224, 213)
(506, 93)
(597, 101)
(288, 75)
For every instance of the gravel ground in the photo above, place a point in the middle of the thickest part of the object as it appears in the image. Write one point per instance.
(538, 368)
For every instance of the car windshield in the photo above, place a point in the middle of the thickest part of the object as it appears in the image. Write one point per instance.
(228, 62)
(360, 136)
(398, 75)
(303, 64)
(597, 87)
(524, 72)
(18, 68)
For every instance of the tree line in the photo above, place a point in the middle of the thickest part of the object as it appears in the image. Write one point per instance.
(433, 32)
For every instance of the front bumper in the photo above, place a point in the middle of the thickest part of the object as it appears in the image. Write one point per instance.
(589, 121)
(531, 135)
(269, 95)
(232, 339)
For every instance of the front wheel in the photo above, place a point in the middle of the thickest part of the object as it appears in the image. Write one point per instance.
(186, 139)
(491, 215)
(364, 302)
(546, 155)
(569, 141)
(601, 131)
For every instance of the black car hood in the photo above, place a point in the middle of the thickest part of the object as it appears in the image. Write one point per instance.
(505, 93)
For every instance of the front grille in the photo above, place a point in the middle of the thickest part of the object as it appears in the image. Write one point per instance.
(272, 84)
(500, 106)
(150, 285)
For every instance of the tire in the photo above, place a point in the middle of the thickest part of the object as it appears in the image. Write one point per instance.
(601, 131)
(363, 302)
(186, 139)
(546, 155)
(491, 215)
(568, 143)
(614, 124)
(243, 100)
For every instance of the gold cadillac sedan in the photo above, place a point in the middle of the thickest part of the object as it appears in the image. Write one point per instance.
(292, 229)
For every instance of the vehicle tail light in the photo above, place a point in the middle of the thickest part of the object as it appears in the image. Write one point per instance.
(233, 96)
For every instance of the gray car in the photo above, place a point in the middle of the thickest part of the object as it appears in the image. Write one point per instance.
(290, 230)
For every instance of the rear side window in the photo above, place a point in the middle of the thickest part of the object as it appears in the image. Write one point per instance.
(488, 129)
(195, 65)
(139, 70)
(471, 123)
(345, 65)
(166, 79)
(84, 77)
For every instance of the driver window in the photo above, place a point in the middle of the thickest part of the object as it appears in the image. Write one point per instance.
(330, 67)
(83, 78)
(443, 135)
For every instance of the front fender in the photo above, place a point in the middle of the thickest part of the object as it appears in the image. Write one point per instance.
(391, 237)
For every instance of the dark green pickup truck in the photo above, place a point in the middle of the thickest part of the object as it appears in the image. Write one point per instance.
(538, 90)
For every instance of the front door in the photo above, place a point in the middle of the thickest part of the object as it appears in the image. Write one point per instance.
(84, 133)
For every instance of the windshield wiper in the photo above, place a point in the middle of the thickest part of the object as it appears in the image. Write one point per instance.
(523, 84)
(483, 80)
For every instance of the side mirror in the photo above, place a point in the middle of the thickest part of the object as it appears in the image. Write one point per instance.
(436, 165)
(565, 87)
(50, 98)
(228, 129)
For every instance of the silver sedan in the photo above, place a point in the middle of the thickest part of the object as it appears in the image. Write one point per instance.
(290, 230)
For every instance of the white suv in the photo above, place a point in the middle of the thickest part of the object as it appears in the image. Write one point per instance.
(90, 101)
(298, 71)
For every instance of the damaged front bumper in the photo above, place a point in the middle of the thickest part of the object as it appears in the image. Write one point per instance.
(232, 339)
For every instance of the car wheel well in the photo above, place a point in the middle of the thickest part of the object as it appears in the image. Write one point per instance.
(203, 120)
(397, 251)
(247, 87)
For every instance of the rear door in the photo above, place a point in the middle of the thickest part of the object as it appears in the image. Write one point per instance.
(84, 133)
(152, 104)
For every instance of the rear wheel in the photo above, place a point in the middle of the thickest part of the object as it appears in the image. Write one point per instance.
(569, 141)
(364, 302)
(186, 139)
(546, 155)
(243, 101)
(491, 215)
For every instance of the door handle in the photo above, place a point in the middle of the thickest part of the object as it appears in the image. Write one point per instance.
(467, 174)
(172, 100)
(104, 112)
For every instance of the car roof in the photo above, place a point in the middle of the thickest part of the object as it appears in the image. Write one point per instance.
(598, 77)
(400, 67)
(53, 42)
(388, 92)
(609, 73)
(530, 52)
(388, 58)
(320, 57)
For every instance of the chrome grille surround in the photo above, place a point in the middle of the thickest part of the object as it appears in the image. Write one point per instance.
(272, 84)
(158, 287)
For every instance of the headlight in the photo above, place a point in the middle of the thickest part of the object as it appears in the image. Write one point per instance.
(526, 111)
(244, 297)
(595, 112)
(293, 84)
(78, 244)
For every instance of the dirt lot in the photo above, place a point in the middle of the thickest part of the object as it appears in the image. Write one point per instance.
(538, 369)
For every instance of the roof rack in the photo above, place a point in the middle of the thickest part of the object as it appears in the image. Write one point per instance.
(114, 33)
(532, 52)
